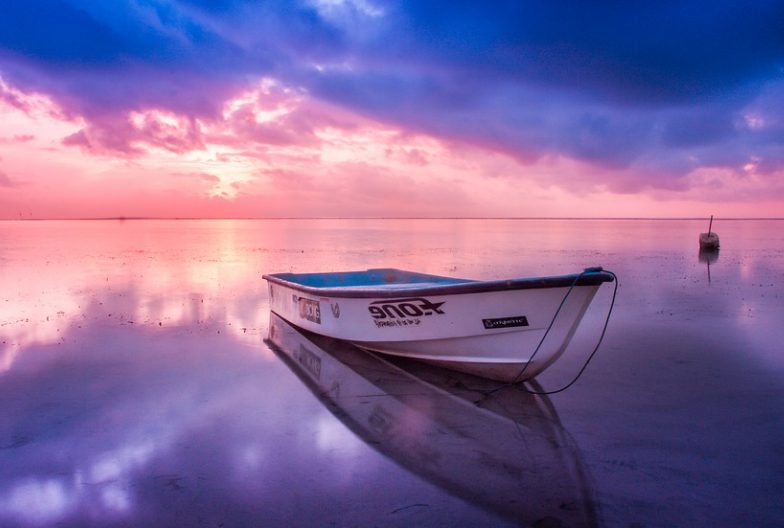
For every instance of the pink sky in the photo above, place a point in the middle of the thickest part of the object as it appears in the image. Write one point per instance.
(275, 151)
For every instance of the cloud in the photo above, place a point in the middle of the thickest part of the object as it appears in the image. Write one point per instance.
(130, 135)
(641, 95)
(201, 176)
(653, 90)
(635, 53)
(8, 183)
(12, 98)
(17, 138)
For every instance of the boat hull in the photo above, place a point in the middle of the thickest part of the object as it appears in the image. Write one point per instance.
(506, 335)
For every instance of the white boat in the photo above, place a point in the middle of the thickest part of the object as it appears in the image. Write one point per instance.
(506, 452)
(507, 330)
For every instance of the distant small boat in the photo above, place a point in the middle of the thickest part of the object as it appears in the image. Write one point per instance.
(709, 241)
(507, 330)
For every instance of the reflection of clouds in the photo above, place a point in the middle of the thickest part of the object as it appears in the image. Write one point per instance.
(335, 441)
(115, 498)
(99, 485)
(122, 418)
(114, 464)
(35, 308)
(37, 502)
(45, 501)
(746, 268)
(742, 301)
(331, 436)
(744, 312)
(117, 402)
(79, 319)
(107, 421)
(248, 460)
(49, 283)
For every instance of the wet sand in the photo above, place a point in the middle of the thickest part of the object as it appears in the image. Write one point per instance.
(137, 388)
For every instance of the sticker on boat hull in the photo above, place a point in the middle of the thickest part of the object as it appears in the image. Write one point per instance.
(403, 312)
(309, 310)
(505, 322)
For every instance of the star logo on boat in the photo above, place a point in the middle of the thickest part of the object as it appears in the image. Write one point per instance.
(405, 308)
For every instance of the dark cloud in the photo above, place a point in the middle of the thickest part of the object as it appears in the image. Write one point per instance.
(655, 90)
(635, 52)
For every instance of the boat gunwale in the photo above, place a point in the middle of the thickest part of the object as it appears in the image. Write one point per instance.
(589, 277)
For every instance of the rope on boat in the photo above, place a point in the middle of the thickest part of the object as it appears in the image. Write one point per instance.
(549, 327)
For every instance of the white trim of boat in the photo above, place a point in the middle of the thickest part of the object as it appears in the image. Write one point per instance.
(508, 330)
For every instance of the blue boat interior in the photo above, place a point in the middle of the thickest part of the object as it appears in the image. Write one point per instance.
(390, 282)
(368, 278)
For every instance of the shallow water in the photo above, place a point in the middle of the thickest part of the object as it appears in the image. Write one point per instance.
(137, 388)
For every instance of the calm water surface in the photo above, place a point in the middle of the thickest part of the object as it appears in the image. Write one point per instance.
(141, 383)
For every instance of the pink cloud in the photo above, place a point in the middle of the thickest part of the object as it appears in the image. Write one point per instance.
(8, 183)
(13, 98)
(201, 176)
(133, 134)
(413, 156)
(18, 138)
(272, 116)
(267, 116)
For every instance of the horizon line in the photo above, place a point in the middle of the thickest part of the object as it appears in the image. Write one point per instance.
(189, 218)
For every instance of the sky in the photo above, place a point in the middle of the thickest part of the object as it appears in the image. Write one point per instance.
(374, 108)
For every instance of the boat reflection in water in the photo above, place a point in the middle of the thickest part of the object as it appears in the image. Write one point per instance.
(708, 256)
(505, 451)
